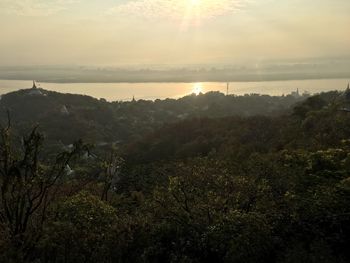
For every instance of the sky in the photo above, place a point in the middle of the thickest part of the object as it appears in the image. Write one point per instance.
(150, 32)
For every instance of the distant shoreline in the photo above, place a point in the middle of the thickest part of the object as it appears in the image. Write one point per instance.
(114, 91)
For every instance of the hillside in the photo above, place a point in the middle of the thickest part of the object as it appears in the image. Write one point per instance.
(67, 117)
(317, 123)
(194, 184)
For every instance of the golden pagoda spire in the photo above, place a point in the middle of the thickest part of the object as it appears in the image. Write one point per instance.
(34, 85)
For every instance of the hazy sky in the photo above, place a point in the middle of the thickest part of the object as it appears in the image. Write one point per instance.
(114, 32)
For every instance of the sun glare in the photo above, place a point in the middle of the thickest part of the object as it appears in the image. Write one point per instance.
(195, 2)
(197, 88)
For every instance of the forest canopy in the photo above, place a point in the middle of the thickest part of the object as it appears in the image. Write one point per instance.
(209, 178)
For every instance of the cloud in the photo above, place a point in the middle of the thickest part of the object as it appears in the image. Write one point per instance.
(179, 9)
(34, 7)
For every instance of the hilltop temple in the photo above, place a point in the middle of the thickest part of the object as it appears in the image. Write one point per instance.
(34, 91)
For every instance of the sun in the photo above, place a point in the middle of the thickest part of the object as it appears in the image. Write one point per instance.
(189, 12)
(197, 88)
(195, 2)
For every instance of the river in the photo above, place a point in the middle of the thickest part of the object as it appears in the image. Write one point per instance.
(152, 91)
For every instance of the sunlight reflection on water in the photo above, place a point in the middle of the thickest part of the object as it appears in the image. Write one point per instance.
(151, 91)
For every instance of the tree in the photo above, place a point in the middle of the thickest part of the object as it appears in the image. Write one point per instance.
(27, 188)
(80, 230)
(110, 176)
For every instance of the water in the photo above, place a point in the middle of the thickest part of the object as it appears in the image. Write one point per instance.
(151, 91)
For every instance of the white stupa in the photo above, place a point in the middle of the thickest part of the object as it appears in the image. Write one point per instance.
(64, 110)
(34, 91)
(68, 170)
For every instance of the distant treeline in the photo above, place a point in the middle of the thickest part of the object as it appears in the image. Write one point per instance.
(101, 121)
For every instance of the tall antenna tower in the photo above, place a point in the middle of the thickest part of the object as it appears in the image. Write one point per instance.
(227, 88)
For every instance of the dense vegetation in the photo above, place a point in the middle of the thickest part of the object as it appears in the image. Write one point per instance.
(99, 121)
(245, 179)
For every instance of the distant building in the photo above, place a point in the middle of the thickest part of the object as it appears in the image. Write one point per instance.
(87, 155)
(35, 93)
(347, 94)
(68, 148)
(306, 94)
(64, 110)
(68, 170)
(345, 100)
(295, 94)
(182, 116)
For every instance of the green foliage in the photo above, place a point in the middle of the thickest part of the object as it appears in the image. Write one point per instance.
(79, 230)
(99, 121)
(210, 215)
(27, 186)
(232, 189)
